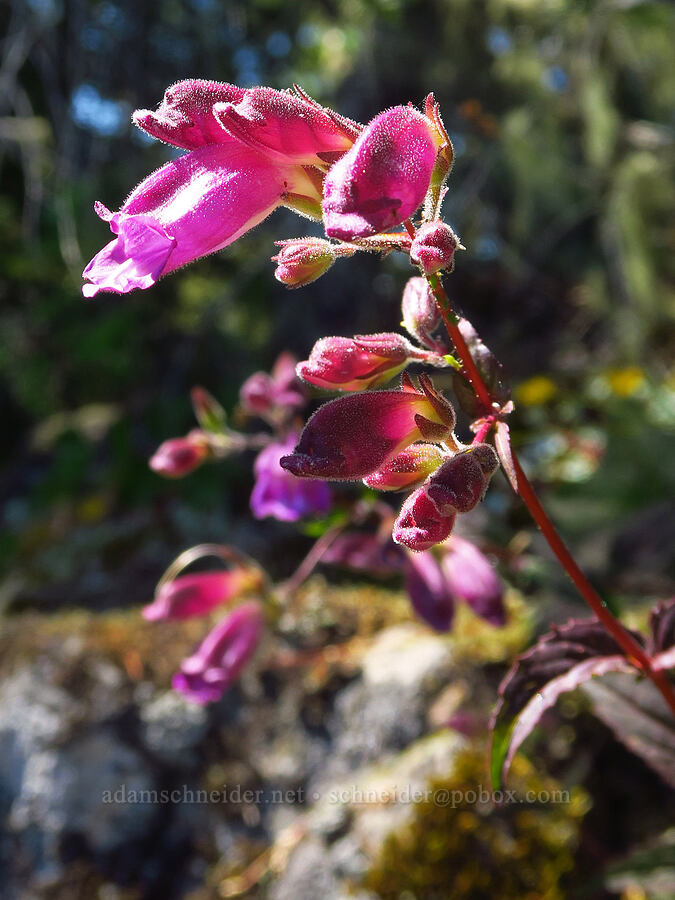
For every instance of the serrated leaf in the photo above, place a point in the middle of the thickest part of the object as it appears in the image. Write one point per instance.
(503, 447)
(639, 717)
(559, 662)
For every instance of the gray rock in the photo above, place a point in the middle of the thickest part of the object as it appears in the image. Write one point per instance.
(171, 728)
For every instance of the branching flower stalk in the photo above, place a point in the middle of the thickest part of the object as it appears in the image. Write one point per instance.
(633, 651)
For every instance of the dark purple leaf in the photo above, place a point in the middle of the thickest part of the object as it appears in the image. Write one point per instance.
(560, 661)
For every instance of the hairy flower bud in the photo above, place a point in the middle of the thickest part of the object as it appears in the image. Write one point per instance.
(353, 436)
(383, 178)
(180, 456)
(302, 261)
(421, 315)
(419, 524)
(433, 247)
(208, 673)
(354, 364)
(408, 469)
(462, 480)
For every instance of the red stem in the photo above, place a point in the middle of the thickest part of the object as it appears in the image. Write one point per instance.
(624, 639)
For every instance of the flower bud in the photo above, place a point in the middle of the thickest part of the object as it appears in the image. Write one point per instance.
(429, 592)
(208, 412)
(358, 363)
(180, 456)
(354, 436)
(303, 261)
(462, 480)
(421, 315)
(419, 524)
(383, 178)
(433, 247)
(408, 469)
(208, 673)
(263, 392)
(471, 578)
(198, 594)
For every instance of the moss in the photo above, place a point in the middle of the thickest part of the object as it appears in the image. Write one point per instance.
(472, 848)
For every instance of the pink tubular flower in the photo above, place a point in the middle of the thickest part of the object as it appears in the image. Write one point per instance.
(196, 595)
(192, 206)
(354, 364)
(383, 178)
(180, 456)
(430, 594)
(471, 578)
(279, 494)
(261, 393)
(421, 315)
(208, 673)
(434, 247)
(460, 483)
(185, 116)
(302, 261)
(353, 436)
(419, 524)
(285, 126)
(408, 469)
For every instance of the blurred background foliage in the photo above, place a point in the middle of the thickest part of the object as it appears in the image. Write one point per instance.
(561, 113)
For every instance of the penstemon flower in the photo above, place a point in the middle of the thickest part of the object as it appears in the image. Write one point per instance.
(214, 666)
(279, 494)
(354, 436)
(197, 595)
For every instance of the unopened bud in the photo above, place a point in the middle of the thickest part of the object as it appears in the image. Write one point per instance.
(434, 247)
(180, 456)
(407, 470)
(303, 261)
(421, 315)
(461, 482)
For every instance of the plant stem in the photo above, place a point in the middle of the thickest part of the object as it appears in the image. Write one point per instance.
(624, 639)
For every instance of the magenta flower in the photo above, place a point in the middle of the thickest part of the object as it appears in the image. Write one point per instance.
(383, 178)
(180, 456)
(471, 578)
(434, 247)
(185, 116)
(196, 595)
(353, 436)
(421, 315)
(419, 524)
(354, 364)
(407, 469)
(460, 483)
(287, 127)
(262, 393)
(192, 206)
(208, 673)
(430, 593)
(302, 261)
(279, 494)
